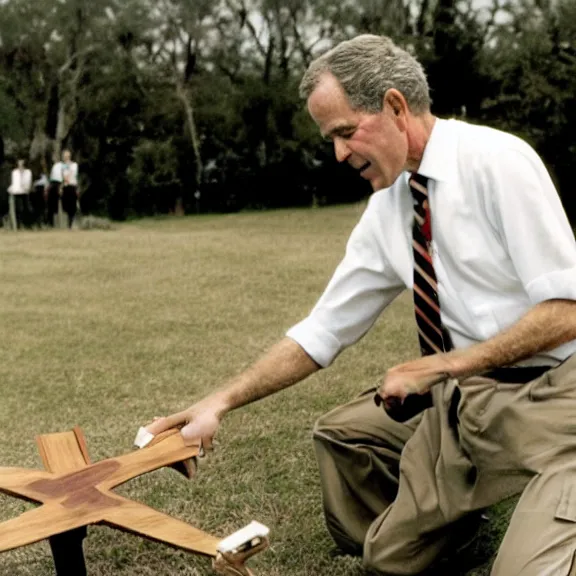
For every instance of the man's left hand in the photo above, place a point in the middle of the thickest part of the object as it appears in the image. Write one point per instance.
(417, 376)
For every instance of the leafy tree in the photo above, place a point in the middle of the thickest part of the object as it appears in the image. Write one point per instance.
(532, 65)
(163, 100)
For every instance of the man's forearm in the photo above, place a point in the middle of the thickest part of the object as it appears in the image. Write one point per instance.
(546, 326)
(282, 366)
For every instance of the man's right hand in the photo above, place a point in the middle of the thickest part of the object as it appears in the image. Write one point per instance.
(199, 422)
(283, 365)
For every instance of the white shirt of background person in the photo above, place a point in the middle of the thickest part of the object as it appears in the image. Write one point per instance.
(56, 172)
(21, 180)
(65, 171)
(70, 173)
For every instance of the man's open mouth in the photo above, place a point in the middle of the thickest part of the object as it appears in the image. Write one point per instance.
(364, 167)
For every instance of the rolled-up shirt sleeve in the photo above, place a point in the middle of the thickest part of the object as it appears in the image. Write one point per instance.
(534, 226)
(361, 287)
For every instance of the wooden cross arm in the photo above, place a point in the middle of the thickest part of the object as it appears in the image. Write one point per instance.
(166, 450)
(38, 524)
(16, 482)
(145, 521)
(53, 518)
(63, 451)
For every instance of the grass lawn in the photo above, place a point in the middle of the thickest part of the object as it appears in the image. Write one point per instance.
(107, 329)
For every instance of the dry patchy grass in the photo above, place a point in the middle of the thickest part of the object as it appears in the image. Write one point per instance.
(107, 329)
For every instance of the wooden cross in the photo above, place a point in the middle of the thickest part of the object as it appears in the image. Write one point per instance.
(74, 493)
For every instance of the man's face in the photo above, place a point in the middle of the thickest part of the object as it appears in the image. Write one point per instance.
(376, 145)
(66, 156)
(20, 164)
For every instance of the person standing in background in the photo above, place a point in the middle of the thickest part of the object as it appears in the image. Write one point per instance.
(53, 193)
(18, 195)
(70, 196)
(64, 187)
(38, 199)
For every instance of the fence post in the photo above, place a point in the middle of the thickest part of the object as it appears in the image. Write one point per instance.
(12, 208)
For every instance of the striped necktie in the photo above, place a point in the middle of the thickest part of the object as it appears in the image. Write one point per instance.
(432, 335)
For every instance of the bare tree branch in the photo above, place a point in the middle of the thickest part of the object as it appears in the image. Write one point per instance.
(64, 68)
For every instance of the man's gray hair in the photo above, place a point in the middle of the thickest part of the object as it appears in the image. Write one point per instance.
(366, 67)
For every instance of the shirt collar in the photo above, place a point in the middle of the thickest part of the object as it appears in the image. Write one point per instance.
(438, 161)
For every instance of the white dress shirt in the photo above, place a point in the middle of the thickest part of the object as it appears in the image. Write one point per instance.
(21, 181)
(501, 243)
(65, 172)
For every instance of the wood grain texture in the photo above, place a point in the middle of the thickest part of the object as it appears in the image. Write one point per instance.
(156, 455)
(144, 521)
(41, 523)
(16, 482)
(75, 493)
(63, 451)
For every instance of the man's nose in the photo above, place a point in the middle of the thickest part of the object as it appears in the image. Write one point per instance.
(341, 149)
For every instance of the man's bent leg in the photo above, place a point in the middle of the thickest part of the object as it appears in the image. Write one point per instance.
(435, 496)
(358, 450)
(529, 430)
(541, 537)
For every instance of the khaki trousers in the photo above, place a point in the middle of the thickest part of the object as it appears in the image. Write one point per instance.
(394, 492)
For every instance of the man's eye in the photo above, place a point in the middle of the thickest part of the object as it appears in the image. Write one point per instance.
(345, 135)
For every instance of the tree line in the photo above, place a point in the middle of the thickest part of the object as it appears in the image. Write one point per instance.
(192, 105)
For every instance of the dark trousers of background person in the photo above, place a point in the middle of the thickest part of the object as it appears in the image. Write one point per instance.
(70, 202)
(23, 210)
(37, 206)
(52, 202)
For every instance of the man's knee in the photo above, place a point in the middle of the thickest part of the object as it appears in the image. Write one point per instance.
(323, 427)
(335, 434)
(349, 422)
(388, 557)
(387, 561)
(394, 545)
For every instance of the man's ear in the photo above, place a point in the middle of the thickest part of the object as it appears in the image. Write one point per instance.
(396, 106)
(396, 102)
